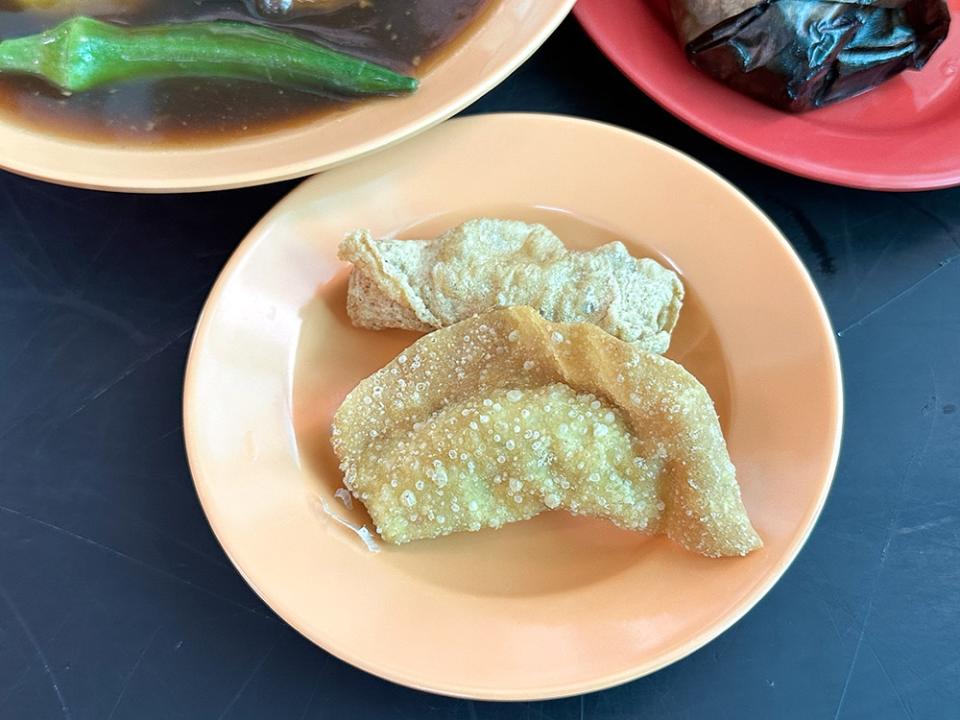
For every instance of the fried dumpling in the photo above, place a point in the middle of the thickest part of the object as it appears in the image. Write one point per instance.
(505, 415)
(485, 264)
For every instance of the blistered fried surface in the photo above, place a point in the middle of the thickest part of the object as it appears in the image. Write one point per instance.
(485, 264)
(505, 415)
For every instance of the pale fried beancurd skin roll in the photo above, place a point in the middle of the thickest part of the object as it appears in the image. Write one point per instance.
(485, 263)
(505, 415)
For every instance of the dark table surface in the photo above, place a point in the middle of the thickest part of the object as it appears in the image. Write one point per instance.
(117, 602)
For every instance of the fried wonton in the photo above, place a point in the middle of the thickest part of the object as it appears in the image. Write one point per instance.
(485, 264)
(505, 415)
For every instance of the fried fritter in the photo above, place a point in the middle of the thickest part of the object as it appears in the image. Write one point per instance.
(485, 264)
(505, 415)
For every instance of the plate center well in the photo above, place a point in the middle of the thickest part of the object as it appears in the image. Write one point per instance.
(552, 553)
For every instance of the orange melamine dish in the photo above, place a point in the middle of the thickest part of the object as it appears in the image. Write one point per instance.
(492, 46)
(556, 605)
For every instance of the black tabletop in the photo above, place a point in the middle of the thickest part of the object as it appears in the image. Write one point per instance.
(117, 602)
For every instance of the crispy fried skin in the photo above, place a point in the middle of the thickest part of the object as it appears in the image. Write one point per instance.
(485, 264)
(504, 415)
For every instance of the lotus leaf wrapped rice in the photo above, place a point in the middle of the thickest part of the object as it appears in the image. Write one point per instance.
(801, 54)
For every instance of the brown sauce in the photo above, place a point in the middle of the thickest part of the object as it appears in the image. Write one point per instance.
(404, 35)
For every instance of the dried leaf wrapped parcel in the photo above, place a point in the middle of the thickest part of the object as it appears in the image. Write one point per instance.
(798, 55)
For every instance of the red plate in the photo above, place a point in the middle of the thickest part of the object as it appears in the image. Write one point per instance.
(905, 135)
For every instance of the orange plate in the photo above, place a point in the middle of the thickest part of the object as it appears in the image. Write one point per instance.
(557, 605)
(495, 46)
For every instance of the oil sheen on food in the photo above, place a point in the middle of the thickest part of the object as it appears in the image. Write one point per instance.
(404, 35)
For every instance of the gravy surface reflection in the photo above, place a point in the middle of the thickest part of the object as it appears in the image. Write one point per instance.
(403, 35)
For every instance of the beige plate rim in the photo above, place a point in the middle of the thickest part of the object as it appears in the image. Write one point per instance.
(92, 165)
(593, 684)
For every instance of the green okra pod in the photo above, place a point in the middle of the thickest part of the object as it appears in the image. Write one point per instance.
(83, 53)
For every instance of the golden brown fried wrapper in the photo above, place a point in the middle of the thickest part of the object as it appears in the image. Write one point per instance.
(485, 263)
(504, 415)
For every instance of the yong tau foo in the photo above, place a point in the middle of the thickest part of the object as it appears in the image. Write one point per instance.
(505, 415)
(488, 263)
